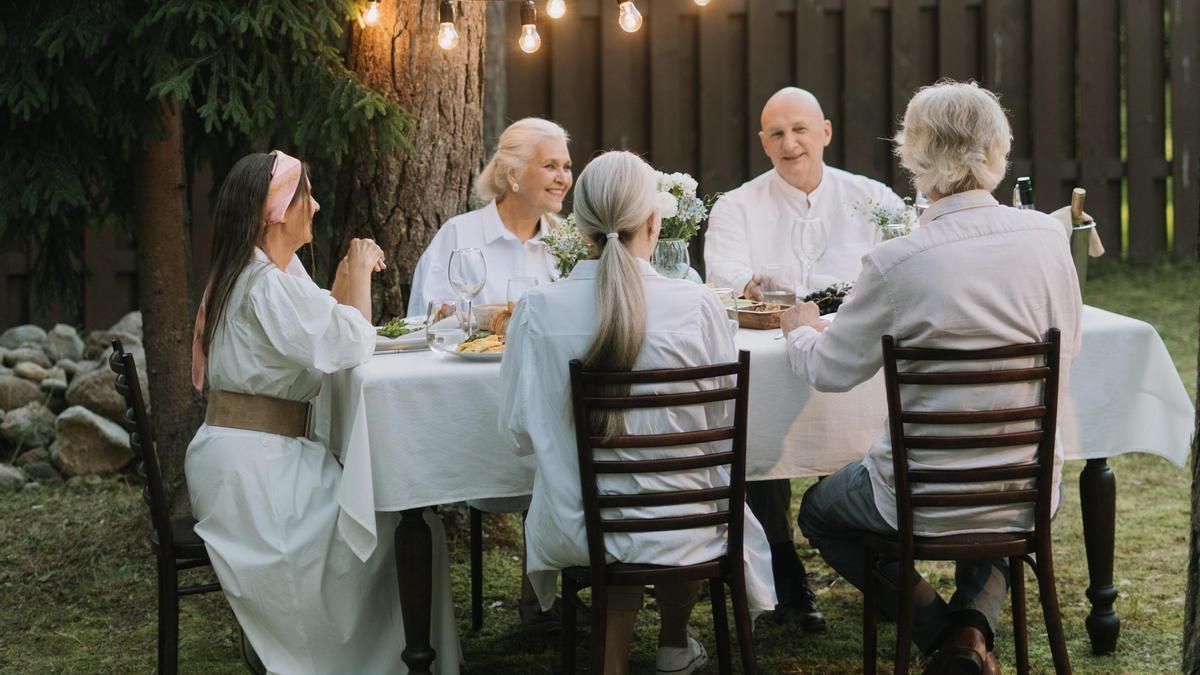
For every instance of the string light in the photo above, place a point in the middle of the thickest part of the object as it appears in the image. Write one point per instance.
(702, 2)
(555, 9)
(447, 33)
(629, 18)
(530, 41)
(371, 17)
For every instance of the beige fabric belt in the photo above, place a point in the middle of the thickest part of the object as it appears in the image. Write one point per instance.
(257, 413)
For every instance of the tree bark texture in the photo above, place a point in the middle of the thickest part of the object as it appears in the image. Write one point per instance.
(400, 199)
(164, 259)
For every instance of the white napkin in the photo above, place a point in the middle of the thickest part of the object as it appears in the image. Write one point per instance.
(1095, 246)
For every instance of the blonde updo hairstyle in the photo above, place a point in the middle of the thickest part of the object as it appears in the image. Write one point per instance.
(514, 151)
(955, 138)
(615, 193)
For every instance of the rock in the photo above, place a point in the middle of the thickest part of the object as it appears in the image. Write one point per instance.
(30, 371)
(67, 366)
(16, 356)
(89, 444)
(54, 386)
(99, 343)
(56, 373)
(42, 471)
(5, 370)
(32, 486)
(95, 392)
(63, 343)
(130, 323)
(11, 478)
(86, 367)
(75, 481)
(29, 426)
(16, 392)
(34, 455)
(16, 336)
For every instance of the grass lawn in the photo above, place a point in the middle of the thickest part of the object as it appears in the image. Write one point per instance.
(77, 583)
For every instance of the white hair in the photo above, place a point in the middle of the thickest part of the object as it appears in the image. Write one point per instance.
(513, 152)
(955, 138)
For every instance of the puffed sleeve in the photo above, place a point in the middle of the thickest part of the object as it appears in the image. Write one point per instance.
(847, 353)
(308, 326)
(726, 251)
(518, 377)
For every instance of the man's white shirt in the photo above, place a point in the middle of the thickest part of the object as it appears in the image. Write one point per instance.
(752, 226)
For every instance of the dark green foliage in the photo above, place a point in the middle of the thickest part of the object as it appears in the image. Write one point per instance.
(79, 83)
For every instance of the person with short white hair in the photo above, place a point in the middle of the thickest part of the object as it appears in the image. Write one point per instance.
(974, 275)
(523, 185)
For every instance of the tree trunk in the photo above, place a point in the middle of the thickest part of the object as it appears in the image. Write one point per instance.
(164, 259)
(401, 199)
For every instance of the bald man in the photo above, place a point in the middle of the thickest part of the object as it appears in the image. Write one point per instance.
(751, 227)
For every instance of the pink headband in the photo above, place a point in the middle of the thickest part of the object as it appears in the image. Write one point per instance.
(285, 179)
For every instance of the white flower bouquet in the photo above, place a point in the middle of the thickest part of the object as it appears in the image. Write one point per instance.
(893, 221)
(681, 210)
(567, 245)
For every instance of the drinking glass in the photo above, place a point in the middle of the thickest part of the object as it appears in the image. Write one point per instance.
(892, 230)
(517, 286)
(443, 325)
(775, 286)
(468, 274)
(671, 259)
(809, 238)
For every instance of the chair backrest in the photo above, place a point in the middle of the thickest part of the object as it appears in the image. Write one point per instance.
(141, 438)
(971, 487)
(588, 394)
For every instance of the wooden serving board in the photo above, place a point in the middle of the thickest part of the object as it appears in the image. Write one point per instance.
(759, 320)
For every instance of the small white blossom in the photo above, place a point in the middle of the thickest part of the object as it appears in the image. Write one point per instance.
(666, 205)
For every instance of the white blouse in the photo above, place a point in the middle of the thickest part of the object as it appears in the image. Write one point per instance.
(685, 326)
(751, 227)
(505, 254)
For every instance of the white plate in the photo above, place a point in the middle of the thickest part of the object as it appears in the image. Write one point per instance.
(478, 356)
(409, 342)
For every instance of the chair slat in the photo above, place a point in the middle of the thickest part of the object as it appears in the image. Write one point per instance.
(974, 376)
(660, 400)
(664, 498)
(664, 440)
(659, 376)
(667, 464)
(1007, 352)
(980, 441)
(666, 523)
(974, 416)
(995, 498)
(989, 474)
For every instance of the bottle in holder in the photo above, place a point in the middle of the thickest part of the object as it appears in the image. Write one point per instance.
(1023, 193)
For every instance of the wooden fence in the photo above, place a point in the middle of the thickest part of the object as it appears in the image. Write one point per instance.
(1099, 94)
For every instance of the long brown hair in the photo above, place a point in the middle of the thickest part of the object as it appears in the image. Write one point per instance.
(239, 224)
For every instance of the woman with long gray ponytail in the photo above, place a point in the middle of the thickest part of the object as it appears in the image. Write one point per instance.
(616, 313)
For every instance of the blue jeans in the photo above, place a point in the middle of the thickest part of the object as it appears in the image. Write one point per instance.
(839, 510)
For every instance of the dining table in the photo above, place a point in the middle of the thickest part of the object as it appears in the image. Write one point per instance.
(415, 429)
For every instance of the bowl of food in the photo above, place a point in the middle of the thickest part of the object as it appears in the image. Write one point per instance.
(485, 313)
(760, 315)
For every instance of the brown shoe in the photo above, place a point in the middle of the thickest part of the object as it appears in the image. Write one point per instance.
(963, 652)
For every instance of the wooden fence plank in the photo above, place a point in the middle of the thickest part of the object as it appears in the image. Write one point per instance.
(724, 125)
(669, 147)
(1006, 72)
(954, 40)
(1147, 193)
(1185, 128)
(1099, 71)
(1052, 102)
(769, 45)
(866, 80)
(528, 75)
(574, 91)
(905, 75)
(625, 98)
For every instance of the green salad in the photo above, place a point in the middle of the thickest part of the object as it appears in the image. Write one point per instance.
(396, 328)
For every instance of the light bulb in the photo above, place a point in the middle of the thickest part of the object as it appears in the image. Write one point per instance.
(372, 16)
(447, 36)
(702, 2)
(556, 8)
(630, 18)
(529, 41)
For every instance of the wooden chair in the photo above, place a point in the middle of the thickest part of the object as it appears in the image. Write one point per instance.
(174, 542)
(1017, 547)
(725, 570)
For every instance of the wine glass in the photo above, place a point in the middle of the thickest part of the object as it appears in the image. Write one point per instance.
(809, 238)
(671, 259)
(468, 274)
(443, 325)
(517, 286)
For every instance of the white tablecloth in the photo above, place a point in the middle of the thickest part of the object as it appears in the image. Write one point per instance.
(416, 429)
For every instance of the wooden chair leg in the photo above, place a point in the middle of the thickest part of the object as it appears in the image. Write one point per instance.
(168, 618)
(870, 617)
(476, 568)
(716, 589)
(741, 619)
(904, 618)
(567, 646)
(1016, 575)
(599, 627)
(1048, 592)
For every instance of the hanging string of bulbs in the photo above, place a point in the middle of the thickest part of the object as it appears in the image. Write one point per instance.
(628, 17)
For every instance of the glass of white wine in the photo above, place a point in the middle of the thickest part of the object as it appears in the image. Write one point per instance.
(468, 274)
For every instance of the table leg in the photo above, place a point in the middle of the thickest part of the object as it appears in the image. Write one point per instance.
(414, 568)
(1098, 495)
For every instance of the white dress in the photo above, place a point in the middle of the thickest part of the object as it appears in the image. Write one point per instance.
(266, 504)
(685, 326)
(506, 257)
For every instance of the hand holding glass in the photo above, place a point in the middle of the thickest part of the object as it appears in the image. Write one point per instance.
(468, 274)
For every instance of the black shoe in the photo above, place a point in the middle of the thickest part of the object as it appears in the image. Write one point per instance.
(801, 609)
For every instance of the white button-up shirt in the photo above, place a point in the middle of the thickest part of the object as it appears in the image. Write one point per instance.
(685, 326)
(751, 227)
(974, 275)
(505, 254)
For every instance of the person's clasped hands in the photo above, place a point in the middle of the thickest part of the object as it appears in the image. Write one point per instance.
(363, 255)
(802, 314)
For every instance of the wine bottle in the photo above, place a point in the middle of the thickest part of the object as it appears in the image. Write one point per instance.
(1023, 193)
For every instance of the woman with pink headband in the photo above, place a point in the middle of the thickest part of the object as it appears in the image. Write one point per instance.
(264, 494)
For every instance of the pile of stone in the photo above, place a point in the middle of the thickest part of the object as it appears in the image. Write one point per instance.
(59, 412)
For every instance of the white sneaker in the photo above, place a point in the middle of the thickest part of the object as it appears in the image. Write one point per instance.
(680, 660)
